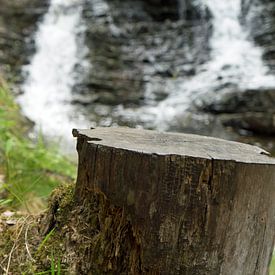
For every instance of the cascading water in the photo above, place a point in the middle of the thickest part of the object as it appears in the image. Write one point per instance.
(234, 60)
(232, 53)
(52, 74)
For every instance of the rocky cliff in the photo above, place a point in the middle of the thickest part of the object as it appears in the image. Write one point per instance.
(141, 50)
(259, 17)
(18, 21)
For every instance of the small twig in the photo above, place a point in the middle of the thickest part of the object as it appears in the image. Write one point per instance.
(14, 245)
(26, 243)
(10, 256)
(3, 268)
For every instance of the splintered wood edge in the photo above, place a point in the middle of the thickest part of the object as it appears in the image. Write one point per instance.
(159, 143)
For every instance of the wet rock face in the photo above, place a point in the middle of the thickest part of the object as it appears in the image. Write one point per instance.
(259, 17)
(232, 101)
(18, 20)
(161, 9)
(135, 47)
(189, 10)
(251, 110)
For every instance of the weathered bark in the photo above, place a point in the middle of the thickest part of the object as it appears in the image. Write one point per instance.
(193, 204)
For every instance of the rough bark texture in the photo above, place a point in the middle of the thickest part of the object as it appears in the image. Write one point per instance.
(192, 204)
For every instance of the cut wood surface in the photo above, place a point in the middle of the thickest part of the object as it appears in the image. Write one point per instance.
(152, 142)
(197, 205)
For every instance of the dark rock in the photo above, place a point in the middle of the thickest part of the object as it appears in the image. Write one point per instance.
(133, 54)
(259, 100)
(250, 110)
(256, 122)
(187, 10)
(18, 22)
(259, 17)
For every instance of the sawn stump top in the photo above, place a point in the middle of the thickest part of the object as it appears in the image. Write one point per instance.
(159, 143)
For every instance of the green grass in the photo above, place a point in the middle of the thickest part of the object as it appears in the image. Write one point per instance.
(45, 240)
(31, 169)
(272, 266)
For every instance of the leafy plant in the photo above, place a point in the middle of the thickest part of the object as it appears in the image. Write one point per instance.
(31, 168)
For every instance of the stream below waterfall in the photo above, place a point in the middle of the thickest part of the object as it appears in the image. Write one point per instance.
(94, 67)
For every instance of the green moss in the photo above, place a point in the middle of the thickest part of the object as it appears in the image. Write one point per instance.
(87, 237)
(63, 196)
(43, 235)
(94, 230)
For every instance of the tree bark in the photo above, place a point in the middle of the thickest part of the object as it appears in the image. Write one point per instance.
(192, 204)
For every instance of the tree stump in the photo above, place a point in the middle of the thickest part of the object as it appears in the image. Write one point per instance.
(195, 204)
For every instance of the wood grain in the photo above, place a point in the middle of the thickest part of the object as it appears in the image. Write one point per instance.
(198, 205)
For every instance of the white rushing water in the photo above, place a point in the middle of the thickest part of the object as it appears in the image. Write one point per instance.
(231, 48)
(60, 49)
(51, 74)
(234, 59)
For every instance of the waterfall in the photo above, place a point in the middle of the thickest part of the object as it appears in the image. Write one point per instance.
(234, 59)
(51, 74)
(232, 51)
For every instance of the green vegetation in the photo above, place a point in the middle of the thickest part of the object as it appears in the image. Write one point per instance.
(28, 169)
(34, 244)
(272, 266)
(45, 240)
